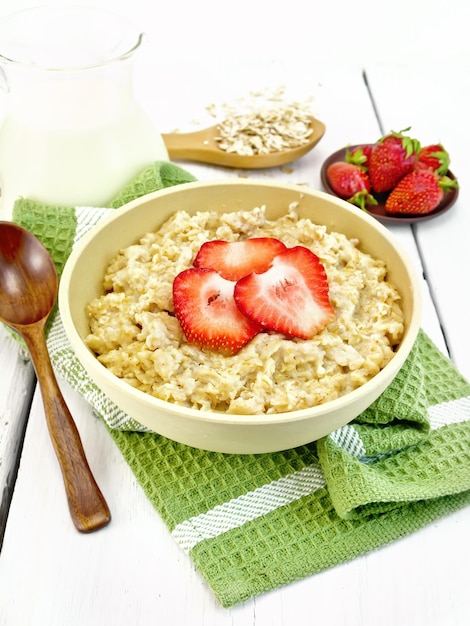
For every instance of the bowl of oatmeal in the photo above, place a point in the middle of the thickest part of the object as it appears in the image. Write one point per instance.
(277, 391)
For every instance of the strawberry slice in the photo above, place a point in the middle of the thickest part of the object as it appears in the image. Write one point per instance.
(291, 297)
(206, 310)
(235, 259)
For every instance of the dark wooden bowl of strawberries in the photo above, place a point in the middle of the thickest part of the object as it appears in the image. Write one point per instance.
(396, 179)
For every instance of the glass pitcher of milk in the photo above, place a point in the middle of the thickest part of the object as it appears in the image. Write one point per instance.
(72, 132)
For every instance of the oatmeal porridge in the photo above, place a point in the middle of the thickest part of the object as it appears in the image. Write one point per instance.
(135, 334)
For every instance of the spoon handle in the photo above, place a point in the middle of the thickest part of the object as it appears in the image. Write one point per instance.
(195, 146)
(88, 508)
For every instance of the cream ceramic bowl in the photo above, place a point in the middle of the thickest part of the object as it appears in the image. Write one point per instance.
(82, 278)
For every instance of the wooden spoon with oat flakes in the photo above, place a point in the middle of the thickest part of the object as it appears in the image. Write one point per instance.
(205, 146)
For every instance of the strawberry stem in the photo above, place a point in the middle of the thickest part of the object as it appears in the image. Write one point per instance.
(362, 199)
(444, 160)
(411, 146)
(447, 184)
(357, 158)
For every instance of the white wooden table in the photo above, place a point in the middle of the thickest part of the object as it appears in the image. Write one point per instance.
(132, 572)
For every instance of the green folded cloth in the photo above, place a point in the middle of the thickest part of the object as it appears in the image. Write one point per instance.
(252, 523)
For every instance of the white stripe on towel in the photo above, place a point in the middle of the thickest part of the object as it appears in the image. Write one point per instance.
(451, 412)
(249, 506)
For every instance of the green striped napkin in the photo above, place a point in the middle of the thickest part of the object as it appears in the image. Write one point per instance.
(252, 523)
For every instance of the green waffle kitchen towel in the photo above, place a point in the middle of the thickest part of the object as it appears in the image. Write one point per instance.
(252, 523)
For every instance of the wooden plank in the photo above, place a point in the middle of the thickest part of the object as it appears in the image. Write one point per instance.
(16, 389)
(435, 100)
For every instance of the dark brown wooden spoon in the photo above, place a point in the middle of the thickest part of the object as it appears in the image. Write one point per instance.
(28, 292)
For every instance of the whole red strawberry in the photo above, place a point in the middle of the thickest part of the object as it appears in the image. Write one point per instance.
(434, 157)
(392, 157)
(418, 193)
(350, 182)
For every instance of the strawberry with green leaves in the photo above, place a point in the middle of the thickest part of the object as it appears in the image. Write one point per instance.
(392, 157)
(418, 193)
(350, 182)
(434, 157)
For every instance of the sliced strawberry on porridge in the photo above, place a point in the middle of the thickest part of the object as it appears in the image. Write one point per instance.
(291, 297)
(206, 310)
(235, 259)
